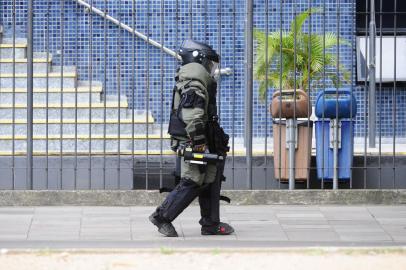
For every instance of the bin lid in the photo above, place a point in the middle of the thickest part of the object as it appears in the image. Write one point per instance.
(333, 100)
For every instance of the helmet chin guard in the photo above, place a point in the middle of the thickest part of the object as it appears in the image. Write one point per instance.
(196, 52)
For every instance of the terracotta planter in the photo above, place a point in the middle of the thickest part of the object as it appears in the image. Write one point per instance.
(283, 104)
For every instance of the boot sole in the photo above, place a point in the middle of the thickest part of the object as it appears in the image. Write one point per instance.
(159, 230)
(156, 223)
(210, 233)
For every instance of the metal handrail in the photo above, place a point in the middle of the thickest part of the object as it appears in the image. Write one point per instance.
(223, 71)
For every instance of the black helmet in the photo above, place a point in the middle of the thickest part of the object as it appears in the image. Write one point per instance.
(196, 52)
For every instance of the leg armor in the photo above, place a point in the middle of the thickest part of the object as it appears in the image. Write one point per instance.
(209, 201)
(177, 200)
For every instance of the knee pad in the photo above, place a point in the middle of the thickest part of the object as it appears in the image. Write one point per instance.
(178, 199)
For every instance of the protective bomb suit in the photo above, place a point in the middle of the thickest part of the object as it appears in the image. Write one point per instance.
(193, 122)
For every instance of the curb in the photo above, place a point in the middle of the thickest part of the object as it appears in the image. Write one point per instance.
(238, 197)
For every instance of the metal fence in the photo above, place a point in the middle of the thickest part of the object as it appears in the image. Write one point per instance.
(85, 91)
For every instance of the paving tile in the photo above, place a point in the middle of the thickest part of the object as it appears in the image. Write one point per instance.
(398, 237)
(196, 235)
(57, 209)
(63, 216)
(398, 228)
(115, 236)
(348, 215)
(54, 226)
(263, 232)
(17, 210)
(366, 222)
(99, 216)
(247, 208)
(342, 208)
(153, 235)
(145, 228)
(295, 208)
(386, 208)
(143, 222)
(334, 213)
(255, 223)
(312, 236)
(5, 218)
(357, 229)
(296, 227)
(388, 213)
(101, 230)
(54, 231)
(392, 221)
(142, 209)
(14, 229)
(13, 221)
(13, 236)
(300, 215)
(193, 232)
(303, 221)
(135, 216)
(251, 216)
(56, 221)
(105, 222)
(274, 236)
(364, 236)
(55, 236)
(101, 220)
(106, 210)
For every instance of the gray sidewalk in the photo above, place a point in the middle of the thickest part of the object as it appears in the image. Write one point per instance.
(256, 226)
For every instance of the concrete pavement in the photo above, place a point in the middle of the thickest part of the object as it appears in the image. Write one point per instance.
(256, 227)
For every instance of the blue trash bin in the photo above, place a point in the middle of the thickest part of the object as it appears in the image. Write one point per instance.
(327, 105)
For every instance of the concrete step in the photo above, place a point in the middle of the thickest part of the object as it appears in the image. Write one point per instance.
(40, 65)
(6, 50)
(83, 144)
(10, 40)
(53, 98)
(109, 128)
(82, 87)
(88, 105)
(67, 113)
(41, 80)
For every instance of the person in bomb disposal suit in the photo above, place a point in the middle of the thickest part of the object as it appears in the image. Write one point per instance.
(194, 125)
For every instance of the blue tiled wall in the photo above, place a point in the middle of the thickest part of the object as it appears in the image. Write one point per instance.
(129, 66)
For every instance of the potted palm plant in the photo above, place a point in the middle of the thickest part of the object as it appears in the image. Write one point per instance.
(292, 61)
(276, 53)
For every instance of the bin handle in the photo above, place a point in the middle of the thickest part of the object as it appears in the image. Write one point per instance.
(333, 91)
(299, 93)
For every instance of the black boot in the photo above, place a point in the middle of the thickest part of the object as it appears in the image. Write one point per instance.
(219, 229)
(166, 228)
(176, 201)
(209, 201)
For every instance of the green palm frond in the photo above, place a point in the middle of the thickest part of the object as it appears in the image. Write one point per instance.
(294, 59)
(301, 18)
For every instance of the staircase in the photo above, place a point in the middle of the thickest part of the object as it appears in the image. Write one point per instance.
(77, 116)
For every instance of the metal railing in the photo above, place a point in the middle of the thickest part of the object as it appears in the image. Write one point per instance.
(225, 71)
(84, 99)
